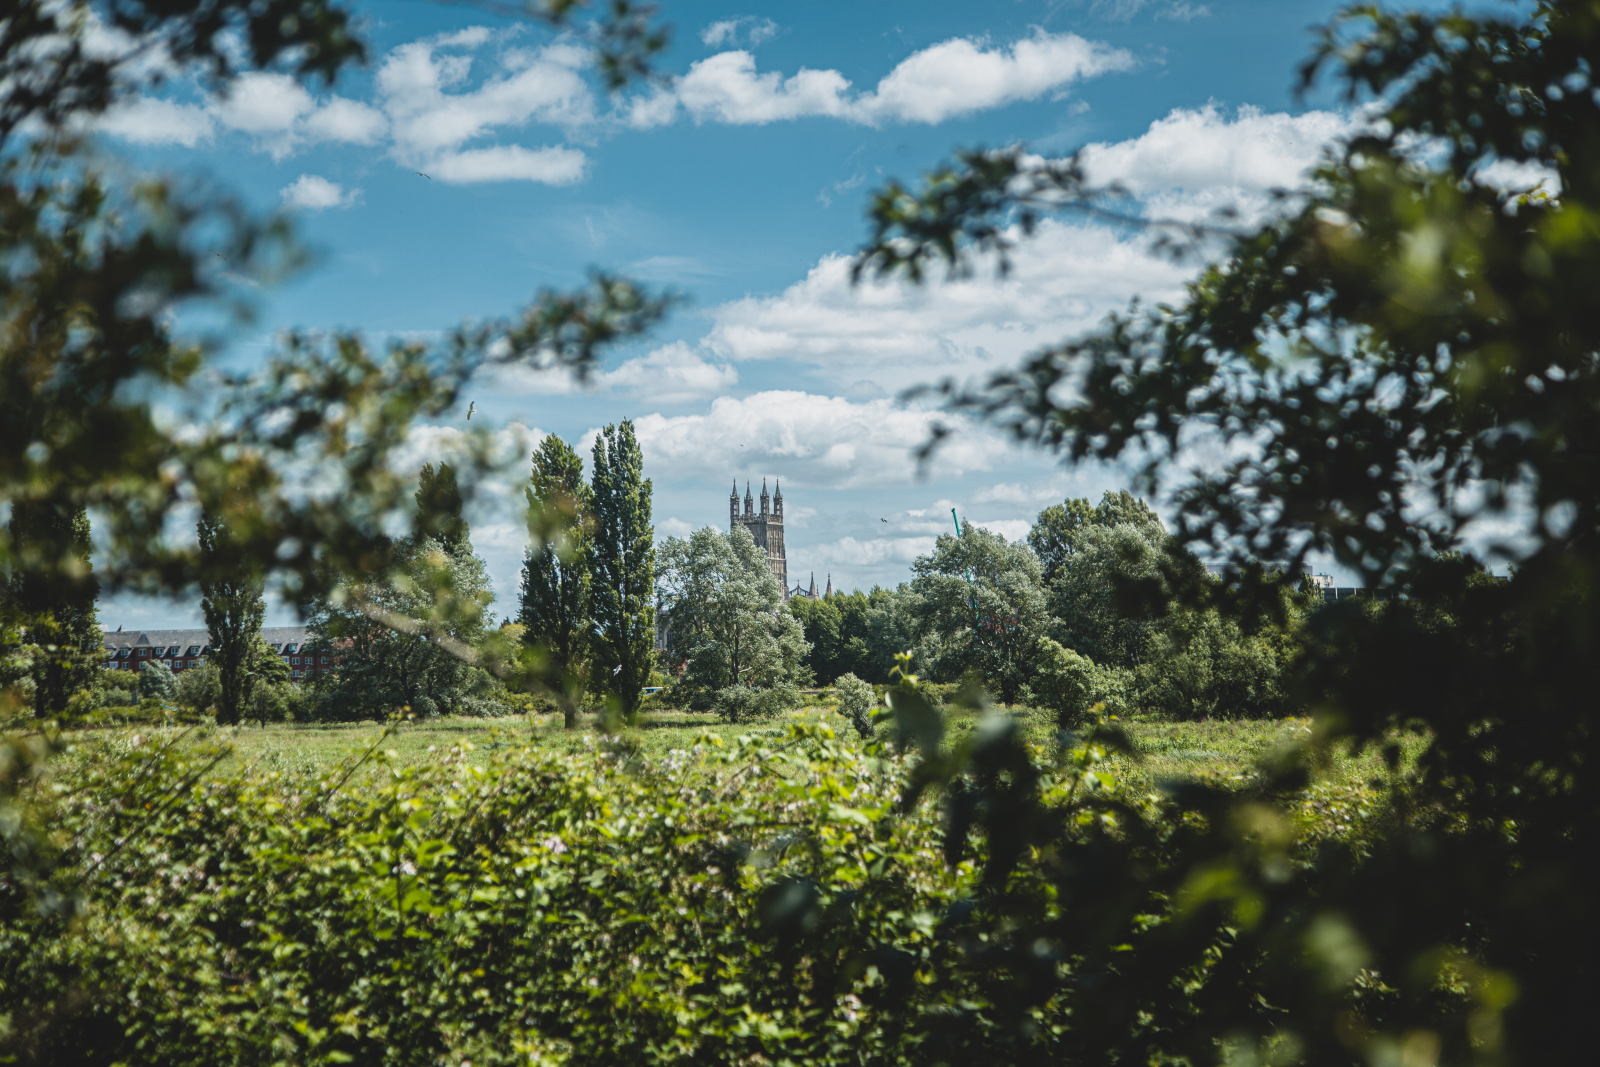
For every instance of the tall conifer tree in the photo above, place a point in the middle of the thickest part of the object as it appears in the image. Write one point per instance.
(555, 609)
(230, 596)
(53, 589)
(622, 588)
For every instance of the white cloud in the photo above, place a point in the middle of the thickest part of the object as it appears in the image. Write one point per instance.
(1065, 280)
(264, 104)
(726, 88)
(748, 28)
(552, 166)
(850, 554)
(806, 439)
(312, 192)
(429, 113)
(1194, 161)
(671, 375)
(674, 527)
(147, 120)
(659, 108)
(1010, 529)
(347, 120)
(955, 77)
(960, 76)
(544, 86)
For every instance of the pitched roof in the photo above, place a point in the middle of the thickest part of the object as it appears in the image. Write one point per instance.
(276, 636)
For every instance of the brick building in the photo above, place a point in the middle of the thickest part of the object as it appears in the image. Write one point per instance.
(183, 650)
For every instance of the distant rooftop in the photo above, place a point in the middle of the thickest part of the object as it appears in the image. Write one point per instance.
(277, 636)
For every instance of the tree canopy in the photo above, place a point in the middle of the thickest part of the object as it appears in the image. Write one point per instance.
(723, 615)
(1398, 356)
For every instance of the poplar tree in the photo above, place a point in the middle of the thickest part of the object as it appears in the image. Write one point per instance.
(439, 509)
(555, 609)
(234, 608)
(622, 567)
(53, 590)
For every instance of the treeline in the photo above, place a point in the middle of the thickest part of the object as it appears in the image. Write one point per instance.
(1079, 612)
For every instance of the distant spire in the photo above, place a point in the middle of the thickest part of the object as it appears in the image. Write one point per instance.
(735, 493)
(778, 495)
(812, 593)
(830, 586)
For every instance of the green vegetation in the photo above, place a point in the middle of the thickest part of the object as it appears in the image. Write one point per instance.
(1404, 878)
(729, 638)
(230, 598)
(623, 558)
(387, 662)
(555, 610)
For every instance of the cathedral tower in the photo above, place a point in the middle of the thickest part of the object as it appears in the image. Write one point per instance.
(766, 527)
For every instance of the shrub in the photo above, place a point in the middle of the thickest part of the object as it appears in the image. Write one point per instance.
(156, 682)
(742, 703)
(856, 701)
(1071, 685)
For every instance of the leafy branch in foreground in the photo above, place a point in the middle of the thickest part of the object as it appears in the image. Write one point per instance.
(1399, 375)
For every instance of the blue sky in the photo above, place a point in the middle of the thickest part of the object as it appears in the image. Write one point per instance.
(741, 185)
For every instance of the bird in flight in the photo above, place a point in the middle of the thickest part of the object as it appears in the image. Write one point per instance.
(883, 520)
(425, 176)
(219, 255)
(470, 409)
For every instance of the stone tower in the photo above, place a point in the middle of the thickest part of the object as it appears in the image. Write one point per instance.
(765, 526)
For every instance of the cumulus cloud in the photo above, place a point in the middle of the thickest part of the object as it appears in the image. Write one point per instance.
(805, 439)
(147, 120)
(312, 192)
(543, 85)
(1194, 161)
(726, 88)
(888, 334)
(429, 109)
(960, 76)
(746, 29)
(672, 374)
(263, 103)
(955, 77)
(349, 121)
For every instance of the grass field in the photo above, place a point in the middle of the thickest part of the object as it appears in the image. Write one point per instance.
(1217, 752)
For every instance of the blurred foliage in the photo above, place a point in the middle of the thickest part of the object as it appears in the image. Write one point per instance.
(1399, 372)
(99, 265)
